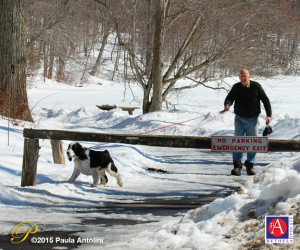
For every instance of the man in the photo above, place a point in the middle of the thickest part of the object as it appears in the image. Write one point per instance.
(246, 96)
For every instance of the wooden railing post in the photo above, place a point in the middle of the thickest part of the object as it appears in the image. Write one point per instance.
(30, 159)
(58, 152)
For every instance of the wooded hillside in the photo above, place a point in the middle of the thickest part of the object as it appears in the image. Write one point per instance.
(154, 43)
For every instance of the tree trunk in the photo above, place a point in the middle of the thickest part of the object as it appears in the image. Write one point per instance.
(98, 61)
(51, 61)
(61, 69)
(51, 65)
(13, 94)
(45, 60)
(149, 40)
(157, 67)
(146, 98)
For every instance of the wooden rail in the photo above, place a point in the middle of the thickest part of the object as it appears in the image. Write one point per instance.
(31, 146)
(150, 140)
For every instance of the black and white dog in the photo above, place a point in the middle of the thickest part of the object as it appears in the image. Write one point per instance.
(91, 162)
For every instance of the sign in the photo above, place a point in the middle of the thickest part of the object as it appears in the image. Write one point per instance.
(251, 144)
(279, 229)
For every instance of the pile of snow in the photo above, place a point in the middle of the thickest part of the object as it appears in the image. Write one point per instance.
(238, 221)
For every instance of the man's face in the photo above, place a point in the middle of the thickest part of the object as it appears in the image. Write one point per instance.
(244, 77)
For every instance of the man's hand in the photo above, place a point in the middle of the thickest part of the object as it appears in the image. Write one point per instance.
(268, 119)
(227, 107)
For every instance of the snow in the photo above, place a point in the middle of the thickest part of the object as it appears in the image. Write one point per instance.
(230, 222)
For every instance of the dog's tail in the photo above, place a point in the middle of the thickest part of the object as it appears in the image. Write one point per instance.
(113, 171)
(113, 167)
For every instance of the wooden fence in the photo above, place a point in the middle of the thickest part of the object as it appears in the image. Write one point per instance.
(32, 136)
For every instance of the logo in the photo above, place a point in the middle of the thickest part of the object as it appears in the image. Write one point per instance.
(279, 229)
(21, 231)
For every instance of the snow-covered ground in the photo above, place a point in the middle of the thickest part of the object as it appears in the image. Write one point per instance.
(234, 222)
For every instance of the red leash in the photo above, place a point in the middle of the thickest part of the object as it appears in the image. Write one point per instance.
(170, 125)
(222, 111)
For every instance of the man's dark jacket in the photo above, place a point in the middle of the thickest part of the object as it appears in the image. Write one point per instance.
(247, 99)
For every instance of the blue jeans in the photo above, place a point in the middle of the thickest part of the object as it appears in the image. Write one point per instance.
(245, 126)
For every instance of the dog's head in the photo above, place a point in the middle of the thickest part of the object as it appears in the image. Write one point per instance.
(75, 149)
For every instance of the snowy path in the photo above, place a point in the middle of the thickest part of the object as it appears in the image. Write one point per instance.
(190, 172)
(189, 182)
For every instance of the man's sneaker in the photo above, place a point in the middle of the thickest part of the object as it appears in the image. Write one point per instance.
(237, 166)
(249, 168)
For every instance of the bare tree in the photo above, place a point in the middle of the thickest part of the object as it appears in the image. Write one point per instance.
(99, 57)
(162, 43)
(157, 67)
(192, 38)
(13, 94)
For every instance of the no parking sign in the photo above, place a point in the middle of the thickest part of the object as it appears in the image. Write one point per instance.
(252, 144)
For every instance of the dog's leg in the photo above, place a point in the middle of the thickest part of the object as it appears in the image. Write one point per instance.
(95, 174)
(74, 175)
(113, 171)
(103, 177)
